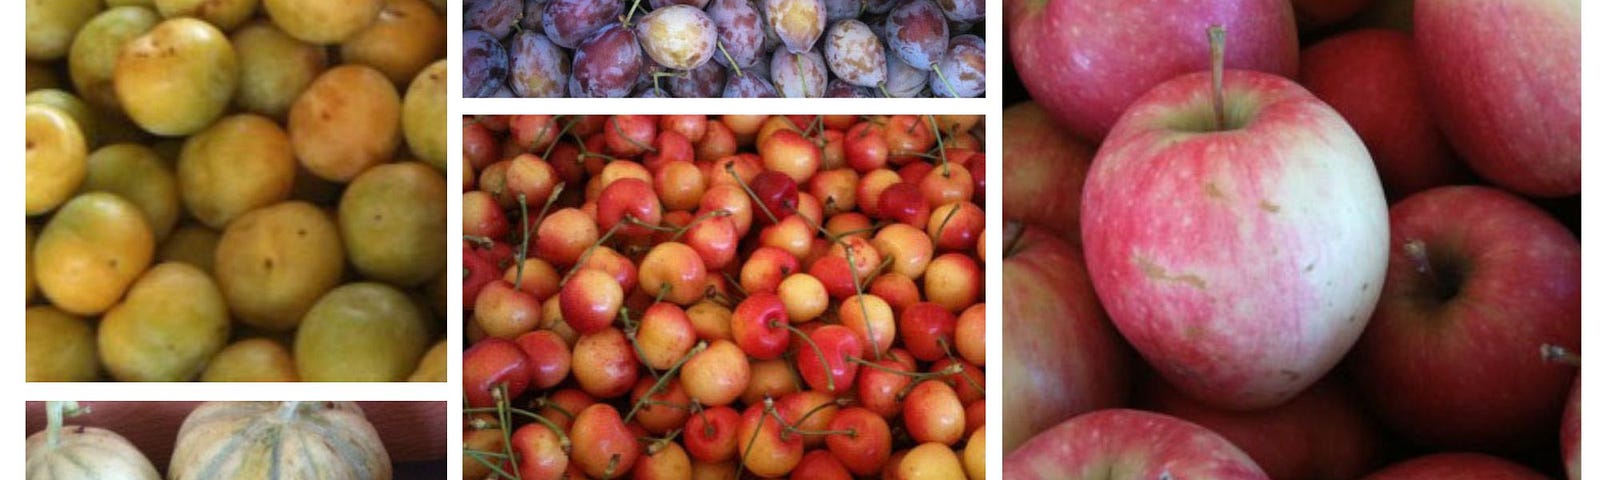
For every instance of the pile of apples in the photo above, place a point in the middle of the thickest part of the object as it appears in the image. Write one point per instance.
(684, 295)
(1347, 249)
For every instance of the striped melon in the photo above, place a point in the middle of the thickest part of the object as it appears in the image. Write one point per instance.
(279, 441)
(76, 452)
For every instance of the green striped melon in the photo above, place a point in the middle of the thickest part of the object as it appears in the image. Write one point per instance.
(83, 453)
(279, 441)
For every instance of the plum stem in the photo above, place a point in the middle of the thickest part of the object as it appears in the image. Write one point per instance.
(1558, 354)
(940, 73)
(799, 64)
(736, 70)
(1218, 36)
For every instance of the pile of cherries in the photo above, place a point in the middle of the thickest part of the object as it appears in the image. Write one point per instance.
(717, 297)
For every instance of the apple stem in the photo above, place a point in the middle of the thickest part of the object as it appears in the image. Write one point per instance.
(1218, 36)
(1417, 252)
(662, 381)
(826, 369)
(1558, 354)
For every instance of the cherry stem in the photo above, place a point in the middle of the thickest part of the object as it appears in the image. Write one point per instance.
(877, 271)
(944, 160)
(965, 374)
(522, 249)
(750, 445)
(939, 232)
(685, 229)
(731, 63)
(814, 411)
(565, 127)
(663, 379)
(618, 128)
(953, 369)
(827, 370)
(1559, 354)
(630, 330)
(752, 193)
(590, 251)
(546, 403)
(502, 405)
(479, 455)
(480, 241)
(1218, 36)
(665, 288)
(855, 280)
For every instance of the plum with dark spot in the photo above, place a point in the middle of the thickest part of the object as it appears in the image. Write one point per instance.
(484, 64)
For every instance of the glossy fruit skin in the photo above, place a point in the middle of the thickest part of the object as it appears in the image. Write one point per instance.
(839, 346)
(758, 326)
(601, 445)
(1087, 98)
(606, 63)
(764, 448)
(865, 452)
(605, 363)
(709, 436)
(590, 300)
(489, 363)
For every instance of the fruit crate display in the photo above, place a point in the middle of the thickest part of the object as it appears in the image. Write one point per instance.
(235, 191)
(723, 48)
(375, 440)
(1337, 238)
(780, 295)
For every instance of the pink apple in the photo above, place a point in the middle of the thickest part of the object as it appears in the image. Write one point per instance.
(1479, 280)
(1571, 428)
(1316, 14)
(1085, 61)
(1371, 78)
(1502, 77)
(1129, 445)
(1456, 466)
(1062, 357)
(1044, 171)
(1241, 262)
(1321, 434)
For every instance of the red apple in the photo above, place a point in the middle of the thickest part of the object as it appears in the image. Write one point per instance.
(1371, 78)
(1242, 261)
(1122, 444)
(1044, 171)
(1323, 433)
(1478, 281)
(1502, 77)
(1456, 466)
(1086, 61)
(1062, 356)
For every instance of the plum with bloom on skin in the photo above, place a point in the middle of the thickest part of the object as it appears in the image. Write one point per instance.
(1243, 261)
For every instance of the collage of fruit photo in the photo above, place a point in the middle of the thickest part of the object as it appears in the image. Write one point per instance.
(1241, 239)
